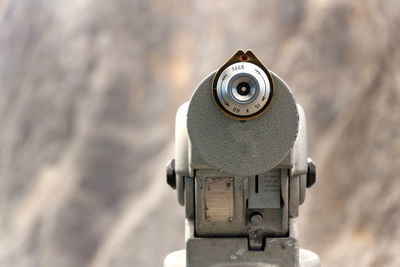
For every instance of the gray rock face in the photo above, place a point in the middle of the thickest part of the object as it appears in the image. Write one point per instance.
(88, 93)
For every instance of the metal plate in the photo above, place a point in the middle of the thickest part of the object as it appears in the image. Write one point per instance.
(219, 199)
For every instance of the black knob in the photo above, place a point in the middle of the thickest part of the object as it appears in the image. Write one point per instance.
(171, 176)
(311, 174)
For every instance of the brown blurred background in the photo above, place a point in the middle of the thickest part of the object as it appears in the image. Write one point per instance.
(88, 94)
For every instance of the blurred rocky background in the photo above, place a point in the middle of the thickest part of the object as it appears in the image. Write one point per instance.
(88, 93)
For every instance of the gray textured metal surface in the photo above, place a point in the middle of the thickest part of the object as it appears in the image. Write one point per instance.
(224, 252)
(242, 148)
(307, 259)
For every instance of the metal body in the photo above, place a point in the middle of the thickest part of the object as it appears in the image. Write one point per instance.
(241, 182)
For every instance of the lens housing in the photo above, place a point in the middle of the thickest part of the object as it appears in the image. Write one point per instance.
(243, 90)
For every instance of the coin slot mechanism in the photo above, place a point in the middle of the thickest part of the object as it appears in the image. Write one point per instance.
(265, 191)
(256, 184)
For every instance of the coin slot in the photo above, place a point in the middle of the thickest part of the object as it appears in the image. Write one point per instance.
(256, 185)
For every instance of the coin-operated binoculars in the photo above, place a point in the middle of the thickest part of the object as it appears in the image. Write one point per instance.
(241, 170)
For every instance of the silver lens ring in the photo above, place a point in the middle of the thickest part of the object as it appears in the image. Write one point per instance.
(243, 89)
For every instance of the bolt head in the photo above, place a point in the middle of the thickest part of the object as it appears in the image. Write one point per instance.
(311, 174)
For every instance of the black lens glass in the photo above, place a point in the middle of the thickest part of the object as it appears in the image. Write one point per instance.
(243, 88)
